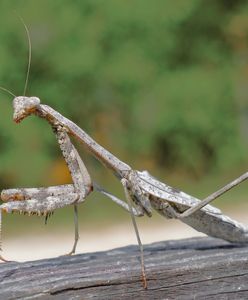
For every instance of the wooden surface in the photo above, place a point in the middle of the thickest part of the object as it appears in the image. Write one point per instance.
(197, 268)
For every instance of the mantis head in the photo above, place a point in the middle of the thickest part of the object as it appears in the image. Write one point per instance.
(24, 106)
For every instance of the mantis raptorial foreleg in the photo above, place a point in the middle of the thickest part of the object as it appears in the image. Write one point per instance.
(36, 193)
(79, 173)
(82, 186)
(40, 207)
(43, 201)
(42, 193)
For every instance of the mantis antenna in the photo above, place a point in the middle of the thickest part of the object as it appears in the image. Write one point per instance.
(29, 59)
(29, 53)
(7, 91)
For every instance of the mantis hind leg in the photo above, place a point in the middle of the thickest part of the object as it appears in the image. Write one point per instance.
(212, 197)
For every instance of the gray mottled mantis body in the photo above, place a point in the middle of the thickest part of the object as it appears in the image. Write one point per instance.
(143, 190)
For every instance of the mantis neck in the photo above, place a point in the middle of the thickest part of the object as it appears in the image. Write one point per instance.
(119, 168)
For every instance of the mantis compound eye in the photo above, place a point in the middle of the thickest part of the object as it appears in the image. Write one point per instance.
(24, 106)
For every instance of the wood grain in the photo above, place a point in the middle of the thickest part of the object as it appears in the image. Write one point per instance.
(197, 268)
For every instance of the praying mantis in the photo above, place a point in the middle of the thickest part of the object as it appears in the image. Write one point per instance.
(143, 192)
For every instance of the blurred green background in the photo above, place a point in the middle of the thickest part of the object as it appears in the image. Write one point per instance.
(161, 84)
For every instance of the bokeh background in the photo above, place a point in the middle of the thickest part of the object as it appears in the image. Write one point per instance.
(161, 84)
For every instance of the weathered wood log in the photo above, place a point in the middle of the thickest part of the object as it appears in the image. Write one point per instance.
(197, 268)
